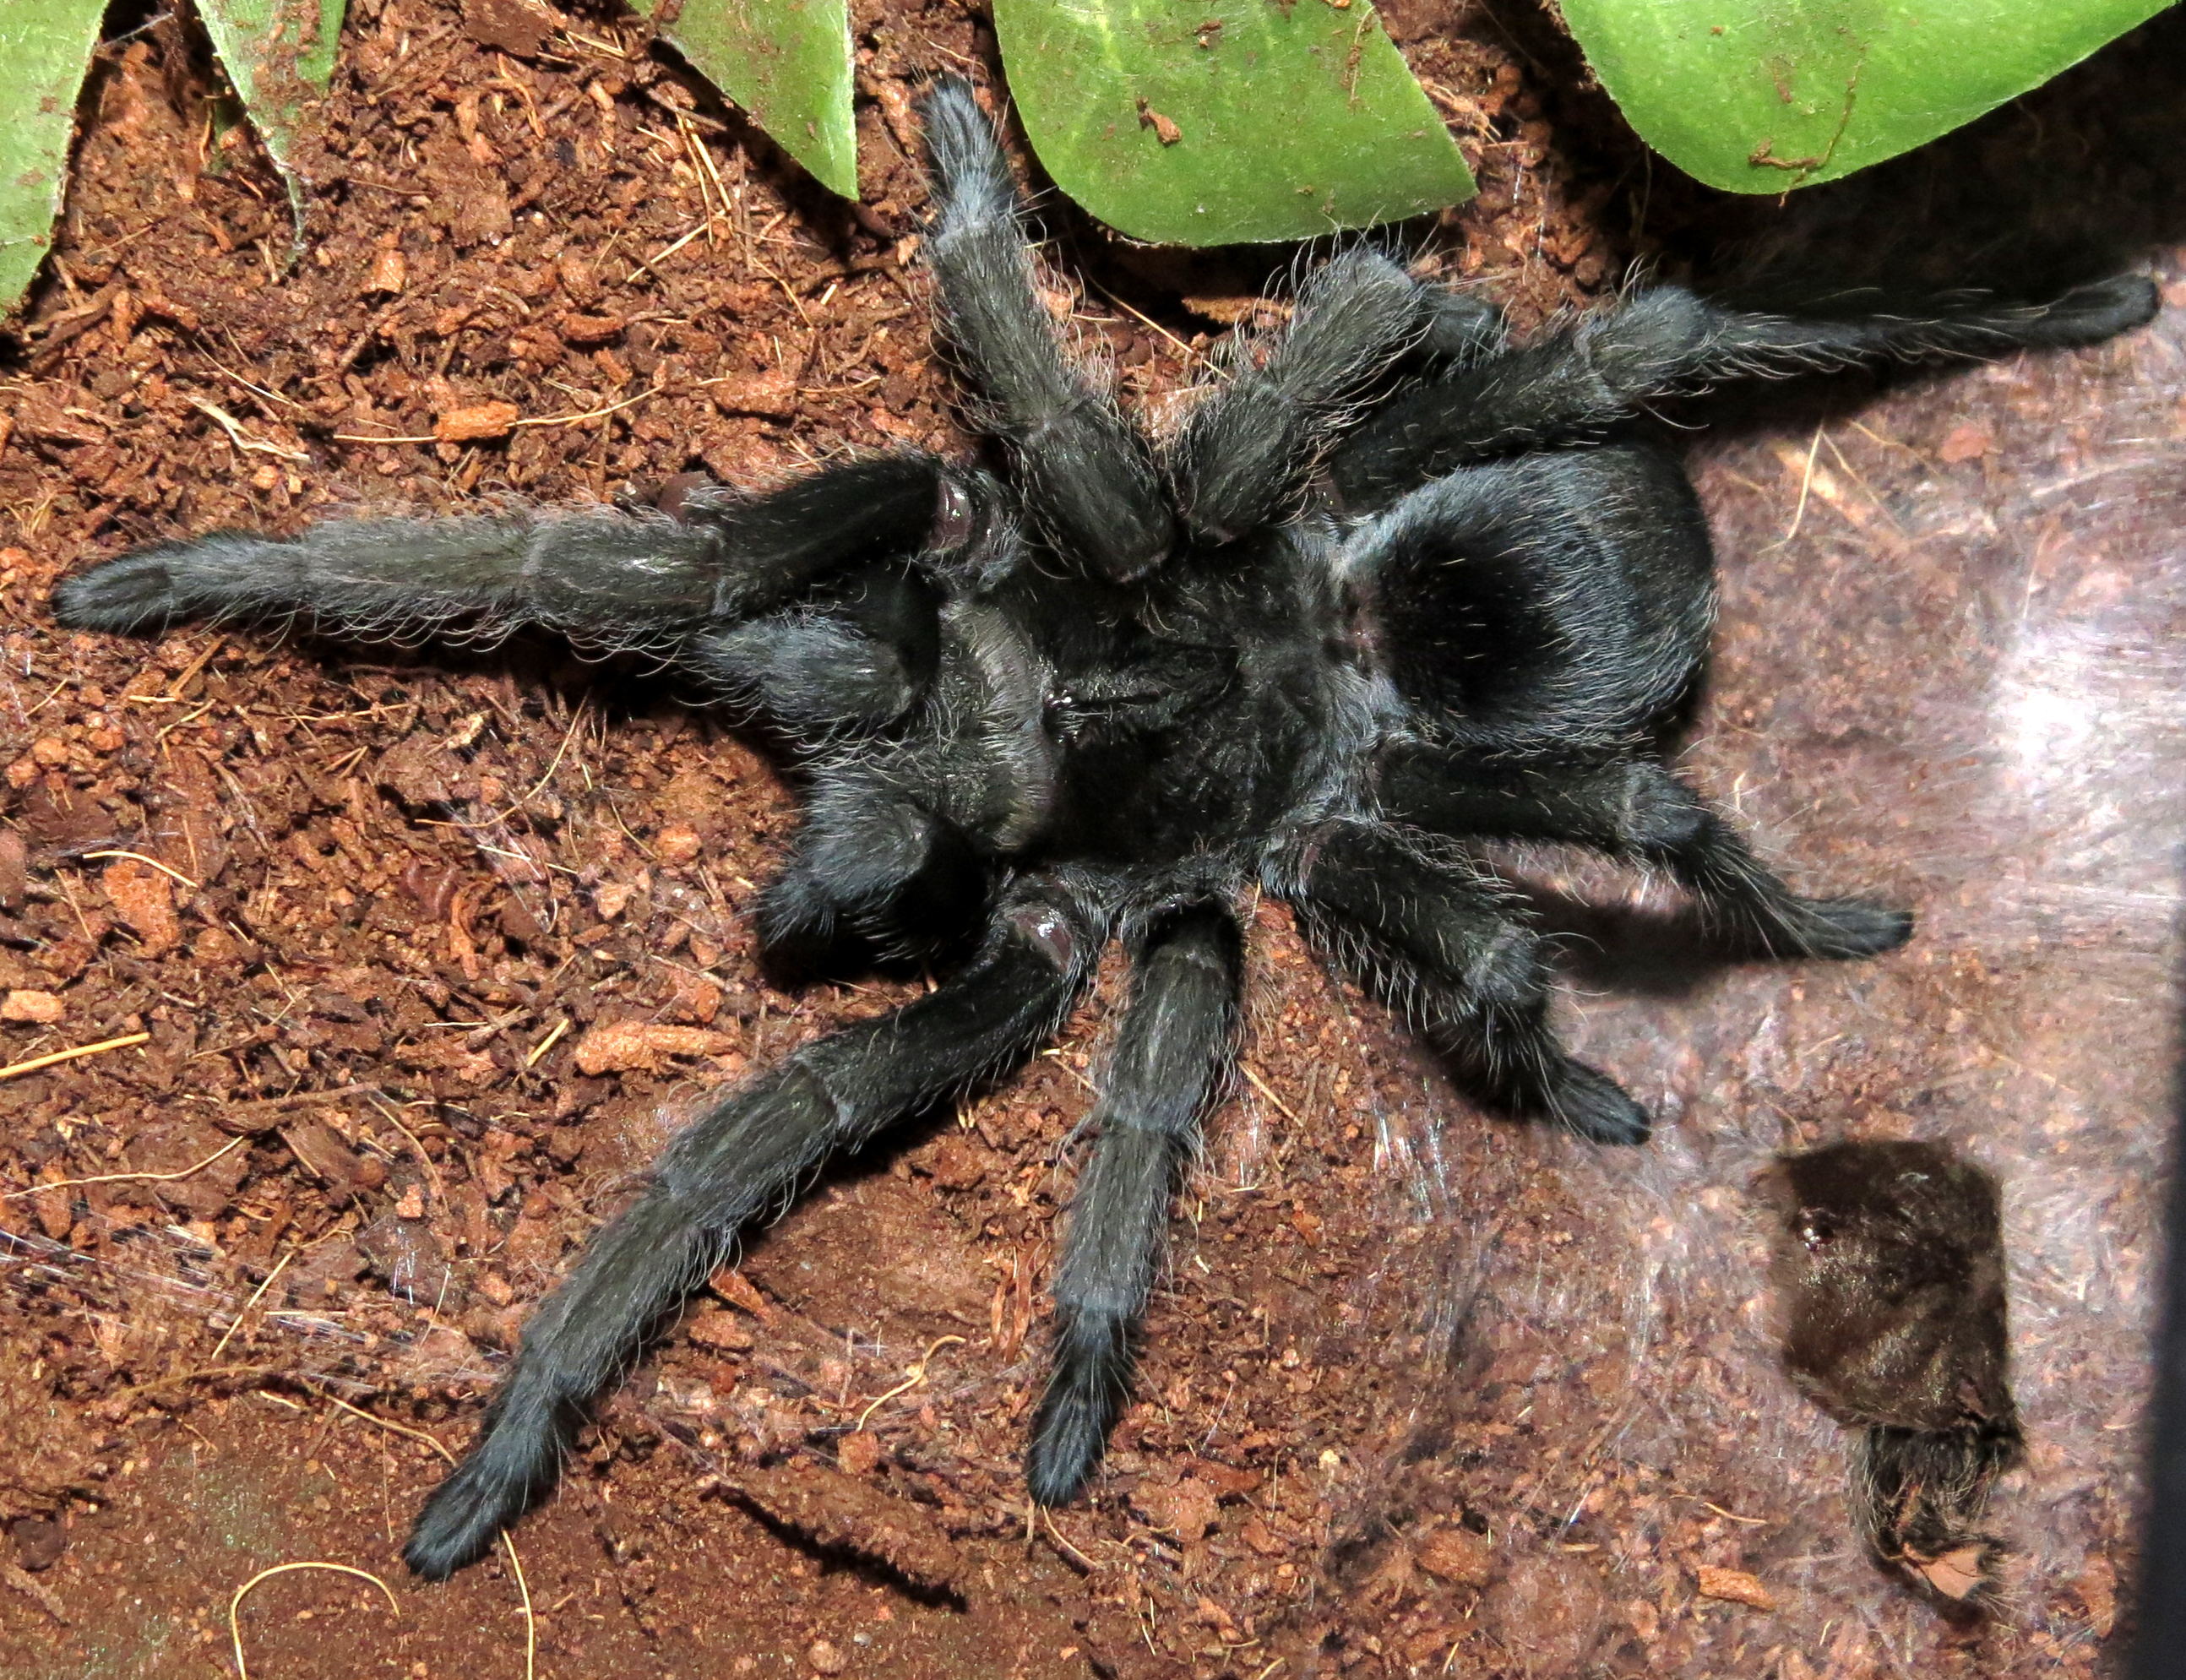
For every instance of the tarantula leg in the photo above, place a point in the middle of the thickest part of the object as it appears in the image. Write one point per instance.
(1451, 951)
(1168, 1063)
(854, 664)
(1635, 809)
(1245, 449)
(1578, 383)
(1086, 476)
(612, 576)
(743, 1156)
(873, 861)
(1463, 328)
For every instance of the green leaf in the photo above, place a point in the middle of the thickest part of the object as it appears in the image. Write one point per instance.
(786, 62)
(1237, 119)
(280, 55)
(1758, 96)
(45, 48)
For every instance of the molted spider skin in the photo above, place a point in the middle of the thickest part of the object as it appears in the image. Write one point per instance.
(1890, 1273)
(1394, 589)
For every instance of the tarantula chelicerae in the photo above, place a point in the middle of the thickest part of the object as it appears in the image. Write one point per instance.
(1394, 585)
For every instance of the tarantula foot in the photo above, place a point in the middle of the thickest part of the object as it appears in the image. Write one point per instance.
(1590, 1104)
(1840, 929)
(2088, 315)
(1085, 1395)
(1066, 1443)
(129, 594)
(461, 1519)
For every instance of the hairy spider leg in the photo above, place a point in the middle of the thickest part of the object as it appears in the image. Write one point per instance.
(1637, 810)
(1087, 477)
(1165, 1074)
(823, 670)
(1449, 949)
(1579, 383)
(871, 858)
(1240, 459)
(743, 1158)
(618, 578)
(1596, 560)
(1463, 328)
(899, 834)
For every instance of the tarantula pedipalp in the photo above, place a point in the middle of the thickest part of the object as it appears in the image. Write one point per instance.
(1394, 587)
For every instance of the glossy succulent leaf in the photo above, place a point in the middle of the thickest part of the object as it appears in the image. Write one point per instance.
(1238, 120)
(45, 48)
(1758, 96)
(786, 62)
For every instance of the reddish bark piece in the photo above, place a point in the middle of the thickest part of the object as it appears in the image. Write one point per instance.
(719, 1328)
(391, 271)
(1966, 443)
(677, 844)
(735, 1288)
(837, 1511)
(144, 898)
(1227, 1480)
(477, 422)
(771, 396)
(323, 1152)
(511, 26)
(618, 1046)
(55, 1208)
(1451, 1555)
(956, 1161)
(1734, 1586)
(1957, 1574)
(1164, 128)
(41, 1009)
(14, 858)
(591, 329)
(1187, 1510)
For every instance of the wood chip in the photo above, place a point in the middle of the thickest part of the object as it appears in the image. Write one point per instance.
(1955, 1575)
(1455, 1555)
(735, 1288)
(718, 1329)
(1734, 1586)
(591, 329)
(1967, 442)
(1164, 130)
(618, 1046)
(144, 899)
(481, 421)
(41, 1009)
(391, 271)
(321, 1150)
(840, 1512)
(1187, 1510)
(771, 396)
(859, 1453)
(511, 26)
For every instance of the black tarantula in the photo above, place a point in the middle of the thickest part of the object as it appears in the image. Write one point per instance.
(1394, 586)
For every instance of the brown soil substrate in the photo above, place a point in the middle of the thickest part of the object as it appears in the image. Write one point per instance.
(427, 950)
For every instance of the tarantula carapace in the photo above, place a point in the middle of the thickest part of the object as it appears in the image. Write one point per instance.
(1395, 586)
